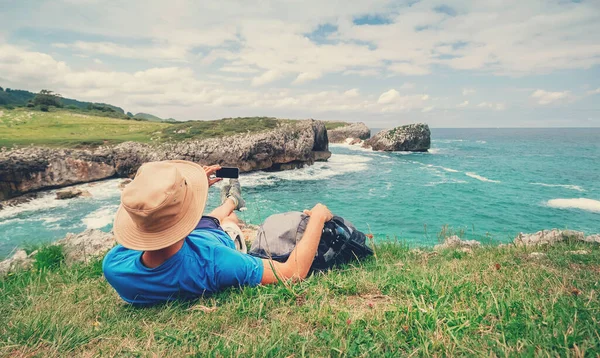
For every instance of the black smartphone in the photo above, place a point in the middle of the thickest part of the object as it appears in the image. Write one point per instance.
(233, 173)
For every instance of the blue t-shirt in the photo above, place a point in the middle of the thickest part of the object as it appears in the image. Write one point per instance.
(206, 263)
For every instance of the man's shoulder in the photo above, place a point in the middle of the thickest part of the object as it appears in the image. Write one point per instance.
(210, 237)
(119, 257)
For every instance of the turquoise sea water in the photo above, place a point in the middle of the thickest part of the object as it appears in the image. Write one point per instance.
(489, 183)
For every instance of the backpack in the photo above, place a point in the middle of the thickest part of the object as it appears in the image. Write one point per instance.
(340, 241)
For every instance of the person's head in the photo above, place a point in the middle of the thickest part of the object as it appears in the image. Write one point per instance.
(162, 205)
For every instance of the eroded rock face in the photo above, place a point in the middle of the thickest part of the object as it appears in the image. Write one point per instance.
(29, 169)
(84, 246)
(20, 260)
(81, 247)
(455, 242)
(409, 138)
(287, 146)
(547, 237)
(358, 131)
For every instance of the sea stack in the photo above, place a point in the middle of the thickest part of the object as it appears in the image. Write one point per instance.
(408, 138)
(353, 131)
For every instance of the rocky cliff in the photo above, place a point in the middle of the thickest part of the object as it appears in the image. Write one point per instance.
(410, 138)
(355, 130)
(288, 146)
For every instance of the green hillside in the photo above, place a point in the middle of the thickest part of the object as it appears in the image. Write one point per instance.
(10, 98)
(147, 117)
(20, 98)
(64, 128)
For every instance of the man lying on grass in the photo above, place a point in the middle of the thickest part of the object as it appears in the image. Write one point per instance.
(168, 250)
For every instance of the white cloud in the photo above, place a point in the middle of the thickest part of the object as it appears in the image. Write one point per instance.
(491, 105)
(427, 109)
(393, 101)
(592, 92)
(238, 69)
(367, 72)
(158, 51)
(463, 104)
(266, 77)
(545, 97)
(352, 93)
(306, 77)
(407, 86)
(467, 91)
(409, 69)
(388, 97)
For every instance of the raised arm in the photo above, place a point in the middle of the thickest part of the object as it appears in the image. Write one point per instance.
(298, 264)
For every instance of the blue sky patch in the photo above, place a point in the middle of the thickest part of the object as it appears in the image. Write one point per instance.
(371, 20)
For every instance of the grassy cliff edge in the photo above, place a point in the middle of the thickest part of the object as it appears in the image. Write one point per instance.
(491, 301)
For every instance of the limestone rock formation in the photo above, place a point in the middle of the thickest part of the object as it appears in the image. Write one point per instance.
(455, 242)
(547, 237)
(80, 247)
(86, 245)
(30, 169)
(410, 138)
(290, 145)
(20, 260)
(358, 131)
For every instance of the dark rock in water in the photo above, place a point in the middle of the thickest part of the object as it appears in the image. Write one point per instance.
(68, 193)
(409, 138)
(290, 145)
(124, 183)
(18, 200)
(354, 131)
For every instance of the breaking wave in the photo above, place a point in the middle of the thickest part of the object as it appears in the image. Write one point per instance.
(578, 203)
(479, 177)
(338, 164)
(572, 187)
(101, 217)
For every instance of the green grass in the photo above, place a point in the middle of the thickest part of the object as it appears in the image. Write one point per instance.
(335, 124)
(68, 129)
(63, 128)
(222, 127)
(497, 302)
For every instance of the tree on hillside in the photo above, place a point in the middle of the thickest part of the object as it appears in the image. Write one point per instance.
(1, 89)
(47, 98)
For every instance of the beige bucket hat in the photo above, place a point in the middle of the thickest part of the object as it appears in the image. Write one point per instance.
(162, 205)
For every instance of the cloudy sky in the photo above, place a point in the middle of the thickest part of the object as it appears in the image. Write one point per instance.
(493, 63)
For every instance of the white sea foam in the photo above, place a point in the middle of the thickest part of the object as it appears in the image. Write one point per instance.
(572, 187)
(481, 142)
(106, 189)
(479, 177)
(44, 201)
(446, 181)
(101, 217)
(434, 150)
(447, 140)
(450, 170)
(358, 148)
(578, 203)
(336, 165)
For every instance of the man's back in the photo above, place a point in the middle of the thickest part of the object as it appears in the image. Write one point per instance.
(206, 263)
